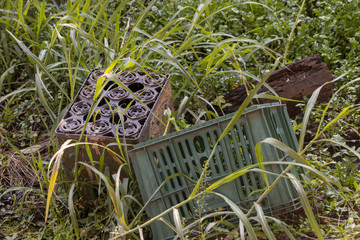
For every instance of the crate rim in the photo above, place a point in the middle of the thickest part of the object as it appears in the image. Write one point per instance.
(167, 137)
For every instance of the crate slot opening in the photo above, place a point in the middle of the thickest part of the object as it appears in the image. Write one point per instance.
(104, 101)
(116, 119)
(110, 85)
(199, 144)
(125, 102)
(93, 117)
(136, 87)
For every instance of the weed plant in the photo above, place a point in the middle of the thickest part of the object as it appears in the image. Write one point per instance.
(48, 48)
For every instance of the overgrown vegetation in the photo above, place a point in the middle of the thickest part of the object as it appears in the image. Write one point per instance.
(208, 47)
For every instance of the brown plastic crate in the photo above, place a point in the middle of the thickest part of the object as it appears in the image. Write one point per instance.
(140, 123)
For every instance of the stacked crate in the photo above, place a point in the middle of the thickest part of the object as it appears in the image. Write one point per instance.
(134, 116)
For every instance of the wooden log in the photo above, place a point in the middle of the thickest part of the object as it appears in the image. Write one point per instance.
(293, 81)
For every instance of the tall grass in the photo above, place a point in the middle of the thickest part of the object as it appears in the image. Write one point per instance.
(60, 44)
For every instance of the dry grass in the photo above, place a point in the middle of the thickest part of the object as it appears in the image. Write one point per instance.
(16, 171)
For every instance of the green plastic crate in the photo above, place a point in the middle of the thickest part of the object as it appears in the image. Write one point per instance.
(186, 151)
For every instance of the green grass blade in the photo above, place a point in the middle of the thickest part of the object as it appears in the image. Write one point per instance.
(42, 98)
(306, 206)
(99, 14)
(343, 113)
(118, 11)
(41, 17)
(346, 111)
(55, 171)
(16, 92)
(196, 222)
(259, 157)
(111, 192)
(119, 202)
(272, 97)
(72, 212)
(287, 46)
(357, 154)
(283, 227)
(309, 107)
(240, 214)
(140, 18)
(230, 125)
(23, 189)
(171, 60)
(85, 9)
(283, 147)
(333, 97)
(38, 62)
(182, 106)
(66, 55)
(199, 11)
(178, 225)
(156, 191)
(297, 157)
(3, 76)
(241, 230)
(141, 234)
(262, 219)
(231, 177)
(21, 154)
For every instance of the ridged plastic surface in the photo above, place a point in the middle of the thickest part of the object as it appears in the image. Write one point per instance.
(186, 151)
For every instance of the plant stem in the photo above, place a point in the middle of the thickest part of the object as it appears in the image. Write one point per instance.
(293, 30)
(269, 189)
